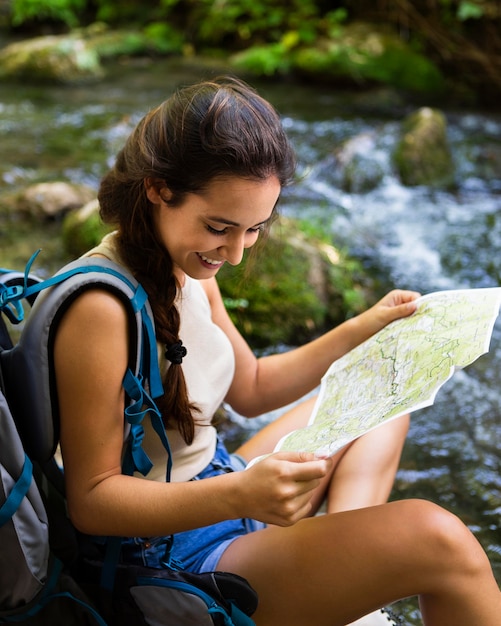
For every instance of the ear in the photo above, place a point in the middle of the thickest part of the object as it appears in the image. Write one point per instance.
(156, 191)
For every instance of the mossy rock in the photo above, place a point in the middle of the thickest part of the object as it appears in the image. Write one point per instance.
(363, 54)
(83, 229)
(113, 44)
(291, 288)
(57, 58)
(358, 53)
(52, 200)
(422, 155)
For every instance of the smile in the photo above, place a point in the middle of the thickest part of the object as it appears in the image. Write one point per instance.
(209, 261)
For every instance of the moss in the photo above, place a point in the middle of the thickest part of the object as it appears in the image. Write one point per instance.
(422, 155)
(82, 230)
(274, 303)
(363, 56)
(64, 59)
(294, 287)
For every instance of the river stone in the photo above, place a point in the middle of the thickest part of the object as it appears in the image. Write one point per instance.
(54, 58)
(422, 155)
(51, 200)
(83, 229)
(357, 167)
(291, 288)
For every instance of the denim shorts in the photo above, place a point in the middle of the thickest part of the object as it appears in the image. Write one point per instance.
(197, 550)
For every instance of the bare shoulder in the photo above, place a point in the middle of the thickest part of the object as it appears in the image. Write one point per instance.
(95, 322)
(97, 306)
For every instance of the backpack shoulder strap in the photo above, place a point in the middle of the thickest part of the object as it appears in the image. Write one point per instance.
(28, 368)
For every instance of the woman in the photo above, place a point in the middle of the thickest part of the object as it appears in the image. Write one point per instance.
(196, 183)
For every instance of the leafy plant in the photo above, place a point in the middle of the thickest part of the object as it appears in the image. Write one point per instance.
(66, 11)
(470, 10)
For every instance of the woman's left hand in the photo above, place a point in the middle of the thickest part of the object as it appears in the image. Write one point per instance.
(394, 305)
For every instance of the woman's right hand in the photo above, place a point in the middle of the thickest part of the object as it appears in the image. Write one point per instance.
(278, 488)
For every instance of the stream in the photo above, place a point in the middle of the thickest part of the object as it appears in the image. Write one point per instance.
(416, 238)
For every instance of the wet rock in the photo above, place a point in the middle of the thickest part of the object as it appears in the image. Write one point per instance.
(358, 168)
(365, 54)
(54, 58)
(423, 156)
(52, 200)
(83, 229)
(296, 286)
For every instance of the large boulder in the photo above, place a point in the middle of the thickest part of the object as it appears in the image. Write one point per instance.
(355, 165)
(294, 286)
(83, 229)
(52, 200)
(54, 58)
(357, 53)
(422, 155)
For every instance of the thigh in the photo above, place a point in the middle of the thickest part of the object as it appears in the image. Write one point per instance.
(333, 569)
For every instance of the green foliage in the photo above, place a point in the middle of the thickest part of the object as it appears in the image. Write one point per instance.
(368, 56)
(251, 20)
(454, 13)
(470, 10)
(292, 287)
(267, 60)
(66, 11)
(123, 12)
(163, 38)
(273, 302)
(280, 37)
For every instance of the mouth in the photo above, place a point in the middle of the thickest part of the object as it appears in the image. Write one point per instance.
(207, 262)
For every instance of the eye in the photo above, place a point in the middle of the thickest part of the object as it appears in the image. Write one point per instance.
(256, 229)
(215, 231)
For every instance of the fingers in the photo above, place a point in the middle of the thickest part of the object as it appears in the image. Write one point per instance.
(400, 296)
(303, 466)
(301, 475)
(289, 480)
(398, 303)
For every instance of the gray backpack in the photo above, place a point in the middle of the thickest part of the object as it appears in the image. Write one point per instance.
(46, 574)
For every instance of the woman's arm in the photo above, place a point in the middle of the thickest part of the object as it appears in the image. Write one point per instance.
(90, 361)
(270, 382)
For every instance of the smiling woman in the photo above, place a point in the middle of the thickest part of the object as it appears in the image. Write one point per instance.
(194, 185)
(204, 230)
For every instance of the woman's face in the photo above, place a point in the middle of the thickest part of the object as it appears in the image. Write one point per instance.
(213, 227)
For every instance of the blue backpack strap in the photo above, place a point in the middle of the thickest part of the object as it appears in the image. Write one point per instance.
(31, 359)
(18, 492)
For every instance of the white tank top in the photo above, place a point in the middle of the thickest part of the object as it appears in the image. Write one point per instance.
(208, 368)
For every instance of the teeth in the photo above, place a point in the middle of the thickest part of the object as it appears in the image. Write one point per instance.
(211, 261)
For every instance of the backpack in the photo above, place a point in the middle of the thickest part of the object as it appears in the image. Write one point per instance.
(46, 573)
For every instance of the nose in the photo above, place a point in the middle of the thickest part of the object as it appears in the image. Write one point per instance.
(233, 250)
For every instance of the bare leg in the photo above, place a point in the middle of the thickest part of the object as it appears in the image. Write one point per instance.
(332, 569)
(363, 472)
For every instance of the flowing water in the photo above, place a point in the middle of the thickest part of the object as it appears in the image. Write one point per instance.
(415, 238)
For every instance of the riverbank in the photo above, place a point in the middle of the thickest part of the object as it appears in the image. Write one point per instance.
(422, 238)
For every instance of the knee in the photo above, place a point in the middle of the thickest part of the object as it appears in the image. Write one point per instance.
(447, 539)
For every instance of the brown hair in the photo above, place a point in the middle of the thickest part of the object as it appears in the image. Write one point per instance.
(211, 129)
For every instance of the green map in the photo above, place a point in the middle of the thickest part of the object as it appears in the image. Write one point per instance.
(398, 370)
